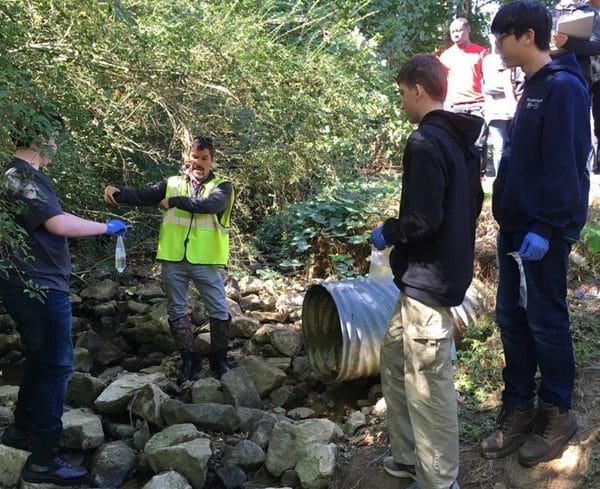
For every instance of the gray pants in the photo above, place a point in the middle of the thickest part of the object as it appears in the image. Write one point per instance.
(416, 376)
(208, 280)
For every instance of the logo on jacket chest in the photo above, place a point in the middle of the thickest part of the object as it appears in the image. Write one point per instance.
(533, 103)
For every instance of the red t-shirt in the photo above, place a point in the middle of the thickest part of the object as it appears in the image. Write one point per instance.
(464, 73)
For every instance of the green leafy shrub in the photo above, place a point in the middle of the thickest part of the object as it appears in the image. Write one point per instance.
(591, 237)
(329, 232)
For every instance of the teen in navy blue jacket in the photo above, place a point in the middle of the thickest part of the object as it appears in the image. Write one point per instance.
(540, 201)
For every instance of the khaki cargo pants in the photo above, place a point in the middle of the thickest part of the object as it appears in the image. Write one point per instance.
(416, 376)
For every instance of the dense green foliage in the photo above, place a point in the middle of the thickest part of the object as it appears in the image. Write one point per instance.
(329, 230)
(297, 93)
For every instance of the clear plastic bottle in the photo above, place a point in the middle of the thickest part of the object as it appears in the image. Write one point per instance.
(380, 264)
(120, 256)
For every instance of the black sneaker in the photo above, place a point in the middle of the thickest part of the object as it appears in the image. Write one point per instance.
(14, 437)
(399, 470)
(57, 471)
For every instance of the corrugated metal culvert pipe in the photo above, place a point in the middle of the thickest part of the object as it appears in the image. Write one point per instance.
(344, 323)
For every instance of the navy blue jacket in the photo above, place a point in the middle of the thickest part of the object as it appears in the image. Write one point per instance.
(434, 234)
(543, 182)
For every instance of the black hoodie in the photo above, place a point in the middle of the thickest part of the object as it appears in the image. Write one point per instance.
(434, 234)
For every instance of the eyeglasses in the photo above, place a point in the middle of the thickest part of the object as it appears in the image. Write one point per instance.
(501, 38)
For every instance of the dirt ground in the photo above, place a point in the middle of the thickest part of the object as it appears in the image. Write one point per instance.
(577, 468)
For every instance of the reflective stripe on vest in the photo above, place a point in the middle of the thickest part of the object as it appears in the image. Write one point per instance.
(201, 239)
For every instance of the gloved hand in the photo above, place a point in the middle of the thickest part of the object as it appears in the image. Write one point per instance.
(534, 247)
(116, 226)
(377, 238)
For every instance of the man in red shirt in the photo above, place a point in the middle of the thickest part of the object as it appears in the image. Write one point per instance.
(463, 60)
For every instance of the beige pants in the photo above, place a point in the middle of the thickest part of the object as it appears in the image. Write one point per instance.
(416, 376)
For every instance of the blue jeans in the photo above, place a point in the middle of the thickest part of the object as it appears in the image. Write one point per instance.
(498, 132)
(539, 335)
(208, 280)
(45, 329)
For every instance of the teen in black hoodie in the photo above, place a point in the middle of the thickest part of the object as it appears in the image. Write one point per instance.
(432, 263)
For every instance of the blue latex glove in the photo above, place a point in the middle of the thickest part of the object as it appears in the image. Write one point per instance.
(377, 238)
(116, 226)
(534, 247)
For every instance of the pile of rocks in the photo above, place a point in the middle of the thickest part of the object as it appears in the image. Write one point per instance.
(127, 417)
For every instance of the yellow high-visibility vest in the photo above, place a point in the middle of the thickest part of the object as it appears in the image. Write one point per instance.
(201, 239)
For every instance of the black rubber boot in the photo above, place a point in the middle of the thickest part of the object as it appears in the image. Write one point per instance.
(219, 341)
(47, 465)
(181, 329)
(16, 438)
(219, 363)
(189, 364)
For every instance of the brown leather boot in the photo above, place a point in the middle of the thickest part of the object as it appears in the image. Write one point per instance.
(554, 427)
(514, 426)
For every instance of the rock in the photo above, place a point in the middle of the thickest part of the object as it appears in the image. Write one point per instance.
(108, 354)
(233, 304)
(119, 431)
(249, 417)
(83, 390)
(79, 324)
(301, 413)
(375, 392)
(149, 291)
(206, 416)
(82, 429)
(285, 339)
(101, 291)
(301, 368)
(262, 430)
(353, 422)
(244, 326)
(106, 309)
(284, 396)
(290, 443)
(119, 393)
(91, 341)
(282, 363)
(13, 461)
(173, 435)
(269, 316)
(147, 403)
(251, 302)
(316, 470)
(8, 394)
(283, 453)
(189, 459)
(6, 417)
(109, 375)
(289, 303)
(145, 331)
(141, 435)
(250, 285)
(246, 454)
(9, 342)
(231, 476)
(83, 361)
(266, 377)
(113, 464)
(202, 343)
(239, 390)
(168, 480)
(290, 478)
(380, 408)
(137, 307)
(207, 390)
